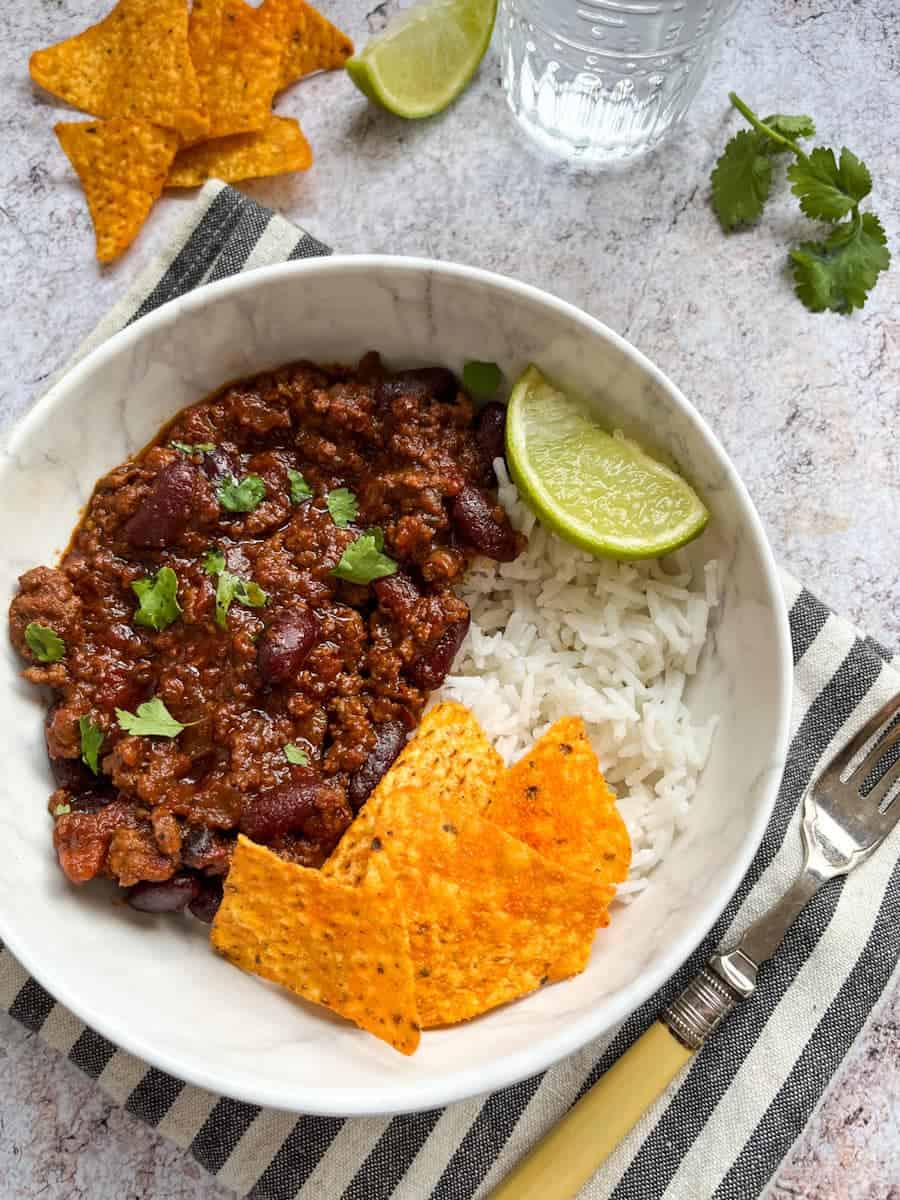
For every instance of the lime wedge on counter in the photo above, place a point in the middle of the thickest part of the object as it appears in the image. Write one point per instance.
(600, 491)
(424, 56)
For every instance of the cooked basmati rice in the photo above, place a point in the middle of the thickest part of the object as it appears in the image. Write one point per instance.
(558, 632)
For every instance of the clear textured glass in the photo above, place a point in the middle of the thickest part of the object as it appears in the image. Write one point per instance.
(602, 81)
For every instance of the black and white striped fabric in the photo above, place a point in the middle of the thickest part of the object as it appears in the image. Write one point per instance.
(723, 1127)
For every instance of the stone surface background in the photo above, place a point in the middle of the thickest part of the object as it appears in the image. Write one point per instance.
(807, 405)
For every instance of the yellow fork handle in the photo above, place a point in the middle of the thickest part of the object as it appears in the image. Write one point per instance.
(562, 1162)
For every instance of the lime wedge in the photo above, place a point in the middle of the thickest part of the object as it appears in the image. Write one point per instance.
(600, 491)
(424, 56)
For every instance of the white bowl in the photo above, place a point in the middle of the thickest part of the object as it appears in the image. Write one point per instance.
(151, 985)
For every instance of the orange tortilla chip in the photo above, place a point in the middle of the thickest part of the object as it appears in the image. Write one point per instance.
(449, 755)
(122, 166)
(345, 948)
(134, 64)
(489, 918)
(310, 42)
(276, 149)
(243, 73)
(204, 37)
(556, 799)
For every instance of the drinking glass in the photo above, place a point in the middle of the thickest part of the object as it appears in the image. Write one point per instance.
(602, 81)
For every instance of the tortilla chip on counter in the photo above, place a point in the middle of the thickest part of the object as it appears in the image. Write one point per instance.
(309, 41)
(346, 948)
(280, 146)
(135, 63)
(556, 799)
(122, 166)
(243, 73)
(204, 38)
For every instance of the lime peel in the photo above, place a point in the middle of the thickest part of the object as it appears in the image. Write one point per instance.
(595, 489)
(425, 56)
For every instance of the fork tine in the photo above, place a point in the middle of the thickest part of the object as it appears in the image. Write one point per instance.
(881, 748)
(875, 724)
(882, 788)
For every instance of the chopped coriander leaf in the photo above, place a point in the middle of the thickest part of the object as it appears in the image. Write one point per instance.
(342, 506)
(232, 588)
(91, 741)
(213, 561)
(152, 719)
(741, 180)
(838, 273)
(158, 600)
(193, 447)
(363, 561)
(295, 755)
(378, 535)
(481, 379)
(241, 497)
(300, 489)
(828, 189)
(62, 809)
(46, 645)
(251, 594)
(790, 128)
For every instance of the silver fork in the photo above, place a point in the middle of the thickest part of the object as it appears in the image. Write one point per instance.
(841, 828)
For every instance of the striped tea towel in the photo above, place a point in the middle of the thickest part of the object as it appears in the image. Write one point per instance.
(723, 1127)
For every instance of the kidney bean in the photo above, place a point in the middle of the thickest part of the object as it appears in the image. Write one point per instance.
(431, 669)
(166, 509)
(93, 800)
(218, 465)
(170, 896)
(205, 905)
(490, 433)
(397, 593)
(284, 809)
(204, 850)
(285, 644)
(473, 519)
(73, 775)
(389, 739)
(437, 383)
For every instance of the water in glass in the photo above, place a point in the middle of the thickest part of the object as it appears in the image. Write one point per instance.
(601, 81)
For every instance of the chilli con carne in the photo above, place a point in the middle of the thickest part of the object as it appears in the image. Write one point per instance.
(250, 617)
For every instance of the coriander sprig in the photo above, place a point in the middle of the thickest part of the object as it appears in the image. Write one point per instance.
(838, 272)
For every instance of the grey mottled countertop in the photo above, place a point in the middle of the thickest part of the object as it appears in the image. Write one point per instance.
(806, 405)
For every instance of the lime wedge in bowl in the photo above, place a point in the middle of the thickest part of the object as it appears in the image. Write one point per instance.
(424, 56)
(598, 490)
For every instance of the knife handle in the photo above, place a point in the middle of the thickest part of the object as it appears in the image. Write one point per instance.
(562, 1162)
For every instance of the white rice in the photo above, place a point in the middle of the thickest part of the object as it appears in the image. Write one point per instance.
(558, 632)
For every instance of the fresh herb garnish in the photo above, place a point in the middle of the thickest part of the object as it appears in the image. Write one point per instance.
(481, 379)
(193, 447)
(152, 719)
(342, 506)
(300, 489)
(232, 588)
(91, 741)
(363, 560)
(243, 496)
(62, 809)
(838, 272)
(213, 561)
(158, 599)
(46, 645)
(295, 755)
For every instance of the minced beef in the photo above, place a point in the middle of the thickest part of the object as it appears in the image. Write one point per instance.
(338, 671)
